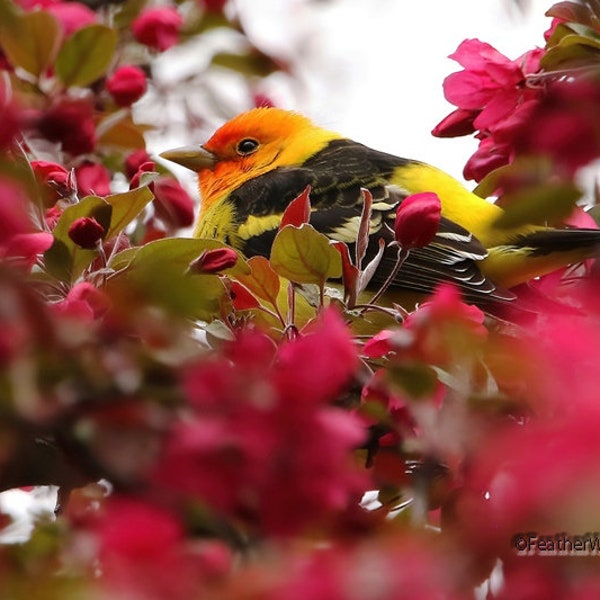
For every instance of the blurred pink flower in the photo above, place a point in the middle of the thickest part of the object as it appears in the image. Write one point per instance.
(158, 28)
(173, 204)
(72, 15)
(84, 302)
(127, 85)
(70, 122)
(143, 552)
(264, 441)
(18, 236)
(564, 125)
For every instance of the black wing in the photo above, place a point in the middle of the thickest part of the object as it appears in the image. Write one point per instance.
(337, 175)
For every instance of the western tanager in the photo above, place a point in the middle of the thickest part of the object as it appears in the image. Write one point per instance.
(257, 163)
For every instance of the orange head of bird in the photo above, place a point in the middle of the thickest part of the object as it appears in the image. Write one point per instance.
(253, 143)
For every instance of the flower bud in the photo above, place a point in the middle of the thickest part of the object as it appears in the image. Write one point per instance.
(213, 261)
(86, 232)
(157, 28)
(417, 220)
(127, 85)
(92, 178)
(134, 161)
(172, 203)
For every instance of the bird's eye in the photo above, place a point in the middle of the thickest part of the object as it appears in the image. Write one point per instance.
(246, 146)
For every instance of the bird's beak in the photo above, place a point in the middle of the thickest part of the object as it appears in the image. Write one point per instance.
(194, 158)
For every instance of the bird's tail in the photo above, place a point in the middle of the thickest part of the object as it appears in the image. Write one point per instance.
(584, 242)
(538, 252)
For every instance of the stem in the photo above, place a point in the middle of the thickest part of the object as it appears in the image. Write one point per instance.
(402, 256)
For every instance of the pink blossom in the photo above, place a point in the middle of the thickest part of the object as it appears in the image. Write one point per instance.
(19, 239)
(264, 440)
(564, 125)
(143, 552)
(379, 344)
(493, 98)
(158, 27)
(444, 327)
(84, 302)
(127, 85)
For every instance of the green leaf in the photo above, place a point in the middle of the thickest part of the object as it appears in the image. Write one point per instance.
(303, 255)
(86, 55)
(158, 273)
(126, 207)
(30, 40)
(539, 204)
(572, 50)
(65, 259)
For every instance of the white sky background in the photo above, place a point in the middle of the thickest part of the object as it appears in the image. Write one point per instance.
(373, 69)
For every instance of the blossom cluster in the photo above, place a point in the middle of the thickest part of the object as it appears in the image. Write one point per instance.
(228, 428)
(530, 106)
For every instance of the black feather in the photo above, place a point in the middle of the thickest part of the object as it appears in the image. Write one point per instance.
(547, 241)
(337, 175)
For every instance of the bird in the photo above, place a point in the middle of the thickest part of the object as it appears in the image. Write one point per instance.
(255, 164)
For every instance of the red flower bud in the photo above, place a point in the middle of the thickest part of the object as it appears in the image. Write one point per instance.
(157, 27)
(147, 167)
(86, 232)
(458, 122)
(134, 161)
(55, 179)
(417, 220)
(92, 178)
(127, 85)
(213, 261)
(172, 203)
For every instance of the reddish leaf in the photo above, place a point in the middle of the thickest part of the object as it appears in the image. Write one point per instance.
(242, 298)
(262, 281)
(349, 273)
(298, 211)
(362, 240)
